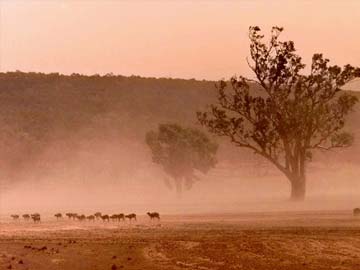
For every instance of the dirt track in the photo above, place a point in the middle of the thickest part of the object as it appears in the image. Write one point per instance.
(255, 241)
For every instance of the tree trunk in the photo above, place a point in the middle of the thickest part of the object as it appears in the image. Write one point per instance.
(297, 174)
(298, 188)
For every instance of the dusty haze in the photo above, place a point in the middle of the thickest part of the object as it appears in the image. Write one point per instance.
(81, 147)
(71, 158)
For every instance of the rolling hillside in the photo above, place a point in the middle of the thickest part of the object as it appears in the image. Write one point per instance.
(47, 119)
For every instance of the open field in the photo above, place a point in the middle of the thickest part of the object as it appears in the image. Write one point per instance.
(301, 240)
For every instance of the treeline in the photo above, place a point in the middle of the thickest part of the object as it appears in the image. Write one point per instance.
(39, 109)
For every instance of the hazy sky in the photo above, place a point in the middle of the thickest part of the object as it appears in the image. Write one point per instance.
(187, 39)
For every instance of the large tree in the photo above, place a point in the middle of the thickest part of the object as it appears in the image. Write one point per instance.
(181, 152)
(282, 113)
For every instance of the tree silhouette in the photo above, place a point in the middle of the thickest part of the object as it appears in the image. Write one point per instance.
(181, 152)
(282, 114)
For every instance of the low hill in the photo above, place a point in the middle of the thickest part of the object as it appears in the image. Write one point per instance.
(48, 120)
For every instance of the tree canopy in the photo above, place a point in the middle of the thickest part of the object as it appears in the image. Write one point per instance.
(291, 113)
(182, 152)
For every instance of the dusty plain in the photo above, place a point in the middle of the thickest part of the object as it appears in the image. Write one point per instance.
(273, 240)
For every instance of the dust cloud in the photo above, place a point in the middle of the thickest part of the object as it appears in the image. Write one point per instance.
(117, 175)
(77, 143)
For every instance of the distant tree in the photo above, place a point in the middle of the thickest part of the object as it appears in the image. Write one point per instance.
(282, 114)
(181, 152)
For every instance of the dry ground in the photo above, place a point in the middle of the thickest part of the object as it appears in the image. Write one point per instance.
(248, 241)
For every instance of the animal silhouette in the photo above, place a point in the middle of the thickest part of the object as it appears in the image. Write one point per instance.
(356, 211)
(153, 215)
(105, 218)
(80, 217)
(26, 216)
(36, 217)
(58, 215)
(69, 215)
(131, 216)
(15, 217)
(98, 215)
(121, 217)
(114, 217)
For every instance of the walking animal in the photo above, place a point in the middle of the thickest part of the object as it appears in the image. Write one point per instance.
(121, 217)
(69, 215)
(153, 215)
(131, 216)
(15, 217)
(105, 217)
(80, 217)
(26, 216)
(356, 212)
(58, 215)
(98, 215)
(114, 217)
(36, 217)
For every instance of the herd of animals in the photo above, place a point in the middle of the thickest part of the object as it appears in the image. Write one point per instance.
(115, 217)
(97, 216)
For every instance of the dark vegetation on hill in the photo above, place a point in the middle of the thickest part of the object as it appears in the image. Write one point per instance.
(39, 111)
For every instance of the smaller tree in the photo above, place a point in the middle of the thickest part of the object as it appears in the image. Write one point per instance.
(182, 152)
